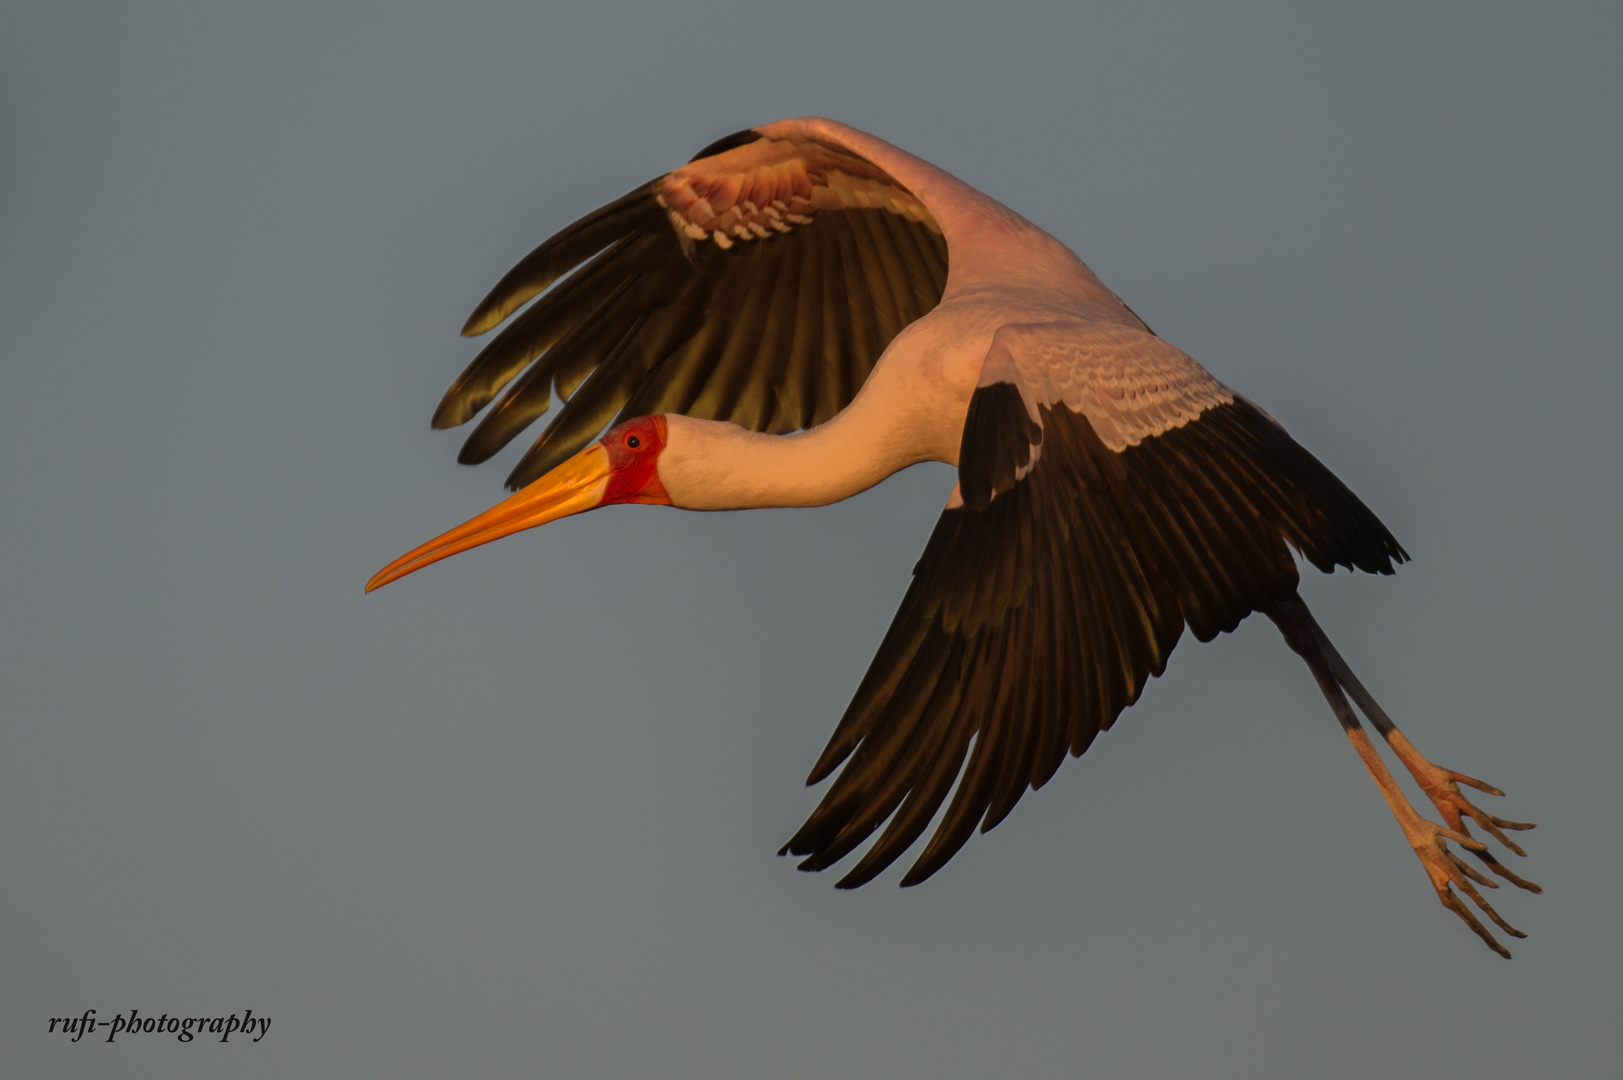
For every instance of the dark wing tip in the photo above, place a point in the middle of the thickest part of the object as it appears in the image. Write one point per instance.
(634, 211)
(860, 876)
(453, 410)
(524, 281)
(833, 755)
(485, 317)
(923, 870)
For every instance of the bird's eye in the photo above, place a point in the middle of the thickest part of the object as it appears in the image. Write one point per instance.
(633, 442)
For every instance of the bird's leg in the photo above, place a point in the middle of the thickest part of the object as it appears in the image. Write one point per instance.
(1428, 839)
(1442, 786)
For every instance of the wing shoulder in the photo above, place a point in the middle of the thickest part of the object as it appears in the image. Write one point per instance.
(1128, 383)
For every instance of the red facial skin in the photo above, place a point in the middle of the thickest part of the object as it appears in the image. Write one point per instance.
(633, 448)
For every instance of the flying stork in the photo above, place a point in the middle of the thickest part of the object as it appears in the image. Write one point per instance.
(802, 310)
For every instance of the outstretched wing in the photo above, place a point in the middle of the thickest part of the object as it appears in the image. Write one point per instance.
(1110, 491)
(757, 284)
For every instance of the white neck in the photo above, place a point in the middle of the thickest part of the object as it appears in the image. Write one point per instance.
(707, 465)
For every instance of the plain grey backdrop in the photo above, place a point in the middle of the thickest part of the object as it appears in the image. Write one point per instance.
(517, 815)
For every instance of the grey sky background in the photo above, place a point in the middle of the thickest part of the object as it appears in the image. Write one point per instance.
(517, 815)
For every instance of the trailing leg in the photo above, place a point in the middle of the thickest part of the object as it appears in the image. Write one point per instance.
(1446, 870)
(1442, 786)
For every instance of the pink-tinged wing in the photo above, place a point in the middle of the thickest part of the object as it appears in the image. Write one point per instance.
(757, 284)
(1110, 492)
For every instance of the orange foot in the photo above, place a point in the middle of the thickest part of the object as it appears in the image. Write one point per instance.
(1448, 871)
(1442, 787)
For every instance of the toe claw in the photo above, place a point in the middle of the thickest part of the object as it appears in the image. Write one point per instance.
(1487, 909)
(1508, 874)
(1510, 845)
(1471, 781)
(1495, 827)
(1452, 903)
(1501, 923)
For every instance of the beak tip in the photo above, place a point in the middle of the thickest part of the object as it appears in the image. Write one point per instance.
(578, 485)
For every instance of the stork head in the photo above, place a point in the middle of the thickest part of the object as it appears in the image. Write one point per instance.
(621, 467)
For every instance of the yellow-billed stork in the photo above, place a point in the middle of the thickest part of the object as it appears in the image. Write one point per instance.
(803, 310)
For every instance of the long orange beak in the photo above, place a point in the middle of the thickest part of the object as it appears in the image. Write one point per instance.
(578, 484)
